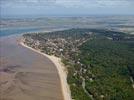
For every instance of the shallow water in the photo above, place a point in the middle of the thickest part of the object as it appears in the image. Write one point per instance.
(26, 75)
(18, 30)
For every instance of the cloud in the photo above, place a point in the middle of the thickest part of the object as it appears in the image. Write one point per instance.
(67, 6)
(70, 3)
(95, 3)
(27, 2)
(115, 2)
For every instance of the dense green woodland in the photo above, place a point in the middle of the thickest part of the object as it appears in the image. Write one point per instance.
(106, 62)
(109, 62)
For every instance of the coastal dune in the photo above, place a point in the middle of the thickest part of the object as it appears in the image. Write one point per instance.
(28, 75)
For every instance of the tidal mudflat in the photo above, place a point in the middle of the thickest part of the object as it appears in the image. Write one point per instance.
(26, 75)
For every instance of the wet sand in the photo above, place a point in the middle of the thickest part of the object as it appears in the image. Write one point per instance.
(62, 71)
(26, 75)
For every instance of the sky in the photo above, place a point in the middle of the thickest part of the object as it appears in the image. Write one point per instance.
(66, 7)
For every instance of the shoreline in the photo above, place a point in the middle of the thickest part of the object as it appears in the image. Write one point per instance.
(61, 71)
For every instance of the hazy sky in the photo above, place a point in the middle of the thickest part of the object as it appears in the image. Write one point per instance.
(66, 7)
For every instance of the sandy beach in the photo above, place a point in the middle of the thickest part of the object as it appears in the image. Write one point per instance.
(61, 70)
